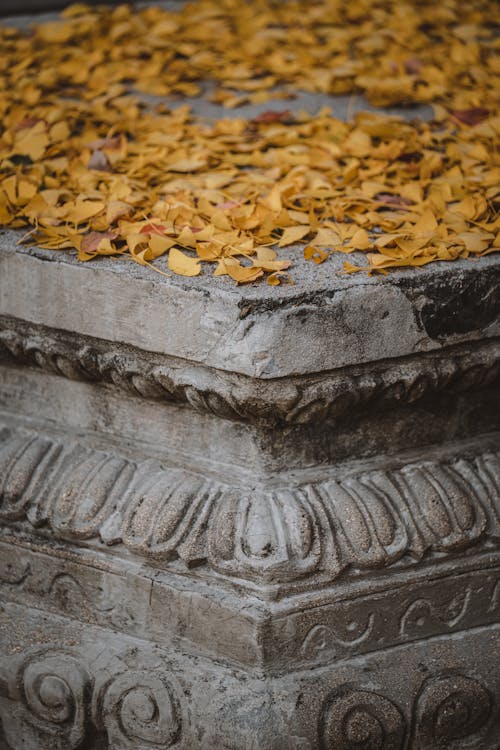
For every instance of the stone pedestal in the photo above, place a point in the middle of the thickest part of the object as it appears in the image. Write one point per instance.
(248, 518)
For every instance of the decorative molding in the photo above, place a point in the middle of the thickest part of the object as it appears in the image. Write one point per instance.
(293, 400)
(370, 621)
(365, 621)
(371, 519)
(451, 711)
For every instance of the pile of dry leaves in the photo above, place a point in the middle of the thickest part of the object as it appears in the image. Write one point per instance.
(90, 165)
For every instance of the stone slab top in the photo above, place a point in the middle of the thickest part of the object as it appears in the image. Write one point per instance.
(326, 320)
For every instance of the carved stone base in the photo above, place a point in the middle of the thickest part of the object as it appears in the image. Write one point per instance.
(266, 520)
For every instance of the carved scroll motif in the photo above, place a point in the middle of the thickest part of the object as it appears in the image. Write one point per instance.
(321, 638)
(451, 710)
(423, 614)
(365, 521)
(356, 719)
(53, 702)
(138, 709)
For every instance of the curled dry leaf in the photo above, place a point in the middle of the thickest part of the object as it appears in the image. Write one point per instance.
(317, 254)
(279, 277)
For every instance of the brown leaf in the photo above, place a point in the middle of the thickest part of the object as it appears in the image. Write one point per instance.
(274, 116)
(471, 116)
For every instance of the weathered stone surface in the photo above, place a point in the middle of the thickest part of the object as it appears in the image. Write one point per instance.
(95, 689)
(317, 325)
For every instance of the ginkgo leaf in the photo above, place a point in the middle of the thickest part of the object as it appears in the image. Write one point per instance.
(240, 274)
(82, 210)
(273, 200)
(426, 223)
(272, 265)
(317, 254)
(360, 240)
(159, 245)
(279, 277)
(187, 165)
(291, 235)
(266, 254)
(183, 264)
(31, 143)
(326, 238)
(96, 243)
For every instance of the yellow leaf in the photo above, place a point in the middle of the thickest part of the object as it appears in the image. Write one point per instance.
(209, 250)
(240, 274)
(327, 238)
(360, 240)
(84, 210)
(272, 265)
(159, 245)
(292, 235)
(352, 268)
(9, 186)
(183, 264)
(187, 165)
(426, 223)
(265, 254)
(59, 132)
(31, 143)
(277, 278)
(117, 209)
(135, 240)
(26, 190)
(273, 199)
(467, 207)
(315, 253)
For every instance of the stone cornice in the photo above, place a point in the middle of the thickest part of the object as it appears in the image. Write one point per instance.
(291, 400)
(318, 532)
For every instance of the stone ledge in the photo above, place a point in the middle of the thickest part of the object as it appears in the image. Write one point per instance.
(293, 400)
(320, 325)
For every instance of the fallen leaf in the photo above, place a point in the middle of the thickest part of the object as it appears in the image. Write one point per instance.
(292, 235)
(471, 116)
(315, 253)
(183, 264)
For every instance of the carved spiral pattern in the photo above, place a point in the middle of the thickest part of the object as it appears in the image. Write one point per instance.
(451, 708)
(55, 688)
(139, 710)
(361, 720)
(53, 691)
